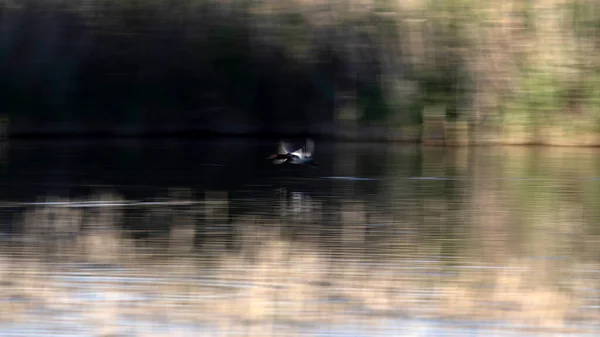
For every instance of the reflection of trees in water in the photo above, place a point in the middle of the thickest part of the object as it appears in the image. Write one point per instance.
(513, 236)
(421, 219)
(367, 259)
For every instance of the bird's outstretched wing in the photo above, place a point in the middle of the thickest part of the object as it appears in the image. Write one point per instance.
(309, 148)
(305, 151)
(283, 148)
(298, 153)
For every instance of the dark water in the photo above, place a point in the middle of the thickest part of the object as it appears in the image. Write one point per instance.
(505, 236)
(145, 169)
(138, 168)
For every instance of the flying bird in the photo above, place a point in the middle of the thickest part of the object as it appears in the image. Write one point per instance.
(303, 155)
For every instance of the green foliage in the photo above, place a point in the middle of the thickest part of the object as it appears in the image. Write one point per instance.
(371, 101)
(584, 16)
(590, 96)
(295, 35)
(213, 42)
(442, 87)
(228, 46)
(537, 99)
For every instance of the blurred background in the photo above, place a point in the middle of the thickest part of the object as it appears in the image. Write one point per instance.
(163, 217)
(443, 71)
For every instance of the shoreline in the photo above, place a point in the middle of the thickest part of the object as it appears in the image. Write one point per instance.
(386, 136)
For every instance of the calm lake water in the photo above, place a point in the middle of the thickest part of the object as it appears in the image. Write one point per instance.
(208, 238)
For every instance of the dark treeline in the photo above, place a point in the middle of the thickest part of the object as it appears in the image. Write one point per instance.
(143, 67)
(515, 72)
